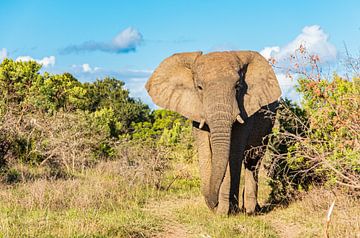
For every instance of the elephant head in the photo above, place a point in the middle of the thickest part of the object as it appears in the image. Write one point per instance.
(216, 89)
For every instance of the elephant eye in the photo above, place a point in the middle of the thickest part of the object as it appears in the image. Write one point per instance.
(199, 87)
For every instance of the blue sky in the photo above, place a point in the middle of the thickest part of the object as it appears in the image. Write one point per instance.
(128, 39)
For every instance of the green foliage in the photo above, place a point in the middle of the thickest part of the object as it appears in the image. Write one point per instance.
(21, 85)
(24, 149)
(165, 127)
(105, 119)
(57, 121)
(109, 93)
(16, 79)
(104, 150)
(333, 106)
(283, 168)
(318, 144)
(5, 145)
(54, 92)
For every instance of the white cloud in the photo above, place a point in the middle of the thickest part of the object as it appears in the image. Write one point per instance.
(24, 58)
(84, 68)
(313, 38)
(124, 42)
(3, 54)
(137, 88)
(46, 61)
(128, 39)
(268, 51)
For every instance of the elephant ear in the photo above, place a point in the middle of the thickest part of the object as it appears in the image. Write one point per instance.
(261, 83)
(171, 86)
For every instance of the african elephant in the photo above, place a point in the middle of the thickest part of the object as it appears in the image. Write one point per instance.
(227, 95)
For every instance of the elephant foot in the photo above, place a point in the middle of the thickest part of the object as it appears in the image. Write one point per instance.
(220, 211)
(222, 208)
(227, 207)
(224, 205)
(252, 210)
(211, 201)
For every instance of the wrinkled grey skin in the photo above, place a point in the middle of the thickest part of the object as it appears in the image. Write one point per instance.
(230, 97)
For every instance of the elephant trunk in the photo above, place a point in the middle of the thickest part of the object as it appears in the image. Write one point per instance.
(221, 115)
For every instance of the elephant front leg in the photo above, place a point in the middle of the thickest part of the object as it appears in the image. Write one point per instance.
(262, 122)
(202, 139)
(251, 186)
(229, 190)
(224, 194)
(226, 200)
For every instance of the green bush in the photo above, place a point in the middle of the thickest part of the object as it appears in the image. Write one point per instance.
(319, 144)
(109, 93)
(58, 122)
(54, 92)
(165, 127)
(16, 79)
(21, 85)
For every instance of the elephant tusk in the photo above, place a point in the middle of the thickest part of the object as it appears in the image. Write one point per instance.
(202, 123)
(239, 119)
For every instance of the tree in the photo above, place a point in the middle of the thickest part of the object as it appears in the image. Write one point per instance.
(110, 93)
(16, 79)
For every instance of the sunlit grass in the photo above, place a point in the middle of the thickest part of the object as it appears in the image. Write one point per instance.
(103, 203)
(201, 220)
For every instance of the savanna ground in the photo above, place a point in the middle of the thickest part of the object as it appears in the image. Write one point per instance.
(86, 160)
(107, 201)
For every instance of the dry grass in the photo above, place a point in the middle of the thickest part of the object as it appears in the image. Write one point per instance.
(105, 200)
(115, 199)
(100, 202)
(307, 217)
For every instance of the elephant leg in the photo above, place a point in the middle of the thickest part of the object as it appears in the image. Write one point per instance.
(224, 194)
(251, 186)
(255, 150)
(229, 190)
(202, 140)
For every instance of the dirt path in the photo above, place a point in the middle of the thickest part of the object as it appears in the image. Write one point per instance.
(286, 230)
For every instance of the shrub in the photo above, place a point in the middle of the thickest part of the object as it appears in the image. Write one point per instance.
(164, 127)
(319, 143)
(50, 93)
(16, 79)
(110, 93)
(57, 122)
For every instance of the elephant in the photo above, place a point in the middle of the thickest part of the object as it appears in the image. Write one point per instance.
(230, 96)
